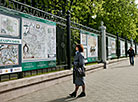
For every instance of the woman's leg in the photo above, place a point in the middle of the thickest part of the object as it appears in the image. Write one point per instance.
(83, 88)
(75, 92)
(76, 88)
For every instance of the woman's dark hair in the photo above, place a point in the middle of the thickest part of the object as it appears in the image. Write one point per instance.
(80, 47)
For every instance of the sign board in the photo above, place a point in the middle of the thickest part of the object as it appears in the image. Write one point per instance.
(90, 42)
(122, 48)
(38, 43)
(111, 47)
(26, 42)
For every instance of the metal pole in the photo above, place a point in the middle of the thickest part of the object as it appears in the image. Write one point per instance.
(68, 40)
(117, 45)
(103, 30)
(126, 46)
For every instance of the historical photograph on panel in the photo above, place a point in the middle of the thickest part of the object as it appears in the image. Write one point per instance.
(84, 39)
(9, 26)
(92, 46)
(39, 40)
(9, 55)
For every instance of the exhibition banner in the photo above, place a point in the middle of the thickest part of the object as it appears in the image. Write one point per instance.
(38, 43)
(122, 48)
(90, 43)
(10, 42)
(128, 46)
(26, 42)
(111, 47)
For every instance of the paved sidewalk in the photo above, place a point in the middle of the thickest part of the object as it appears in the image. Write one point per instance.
(118, 83)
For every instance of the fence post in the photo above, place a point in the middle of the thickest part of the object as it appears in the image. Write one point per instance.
(103, 31)
(126, 47)
(117, 45)
(68, 40)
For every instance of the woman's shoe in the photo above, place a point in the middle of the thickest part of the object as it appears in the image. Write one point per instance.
(82, 94)
(73, 94)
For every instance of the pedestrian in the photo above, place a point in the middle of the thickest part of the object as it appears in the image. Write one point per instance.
(78, 66)
(131, 55)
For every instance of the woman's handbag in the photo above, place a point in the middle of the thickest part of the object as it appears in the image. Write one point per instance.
(80, 71)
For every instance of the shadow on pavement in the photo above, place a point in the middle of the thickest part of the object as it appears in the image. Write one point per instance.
(64, 99)
(123, 66)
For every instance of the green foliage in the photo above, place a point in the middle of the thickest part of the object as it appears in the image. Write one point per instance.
(118, 15)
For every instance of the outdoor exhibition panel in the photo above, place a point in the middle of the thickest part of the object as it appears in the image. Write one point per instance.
(134, 47)
(128, 46)
(38, 43)
(10, 43)
(111, 47)
(122, 48)
(26, 42)
(90, 42)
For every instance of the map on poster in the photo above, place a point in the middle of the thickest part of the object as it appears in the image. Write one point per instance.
(92, 46)
(9, 26)
(8, 55)
(39, 40)
(111, 47)
(122, 48)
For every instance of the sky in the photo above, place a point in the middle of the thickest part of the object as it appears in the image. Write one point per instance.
(136, 1)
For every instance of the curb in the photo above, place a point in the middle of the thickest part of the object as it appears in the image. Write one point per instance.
(16, 88)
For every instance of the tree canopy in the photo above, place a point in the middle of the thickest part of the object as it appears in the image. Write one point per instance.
(118, 15)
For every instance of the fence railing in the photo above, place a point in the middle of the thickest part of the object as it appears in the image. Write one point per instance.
(62, 39)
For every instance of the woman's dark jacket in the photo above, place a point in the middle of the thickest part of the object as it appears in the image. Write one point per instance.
(131, 53)
(78, 63)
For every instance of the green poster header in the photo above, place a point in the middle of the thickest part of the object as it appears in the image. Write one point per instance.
(38, 65)
(88, 33)
(11, 41)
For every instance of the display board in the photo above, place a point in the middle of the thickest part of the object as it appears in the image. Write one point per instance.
(26, 42)
(111, 47)
(134, 47)
(10, 61)
(122, 48)
(9, 26)
(128, 46)
(38, 43)
(90, 43)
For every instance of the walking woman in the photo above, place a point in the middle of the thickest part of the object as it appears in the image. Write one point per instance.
(78, 77)
(131, 55)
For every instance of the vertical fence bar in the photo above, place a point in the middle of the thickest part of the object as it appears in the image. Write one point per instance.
(68, 40)
(126, 46)
(117, 45)
(20, 75)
